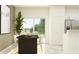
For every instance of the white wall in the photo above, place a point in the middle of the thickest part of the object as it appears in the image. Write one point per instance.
(56, 29)
(42, 12)
(57, 16)
(71, 38)
(72, 12)
(71, 42)
(32, 11)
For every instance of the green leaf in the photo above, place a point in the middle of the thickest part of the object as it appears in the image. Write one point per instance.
(19, 23)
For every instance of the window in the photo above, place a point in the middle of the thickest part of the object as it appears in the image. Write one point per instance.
(34, 25)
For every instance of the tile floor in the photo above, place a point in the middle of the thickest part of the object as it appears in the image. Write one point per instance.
(42, 48)
(51, 49)
(39, 50)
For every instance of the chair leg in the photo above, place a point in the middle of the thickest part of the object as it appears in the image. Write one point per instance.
(41, 47)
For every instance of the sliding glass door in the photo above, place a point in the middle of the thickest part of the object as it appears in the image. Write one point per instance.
(34, 26)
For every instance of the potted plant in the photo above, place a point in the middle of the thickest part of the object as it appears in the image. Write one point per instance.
(19, 23)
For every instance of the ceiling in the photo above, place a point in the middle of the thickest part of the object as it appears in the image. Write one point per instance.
(31, 5)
